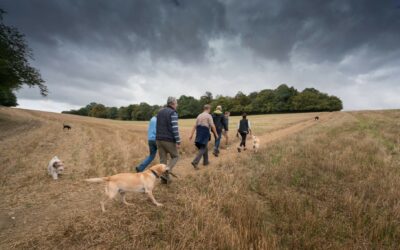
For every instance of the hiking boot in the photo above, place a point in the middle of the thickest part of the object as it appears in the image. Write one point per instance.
(195, 166)
(206, 163)
(239, 150)
(165, 179)
(215, 154)
(137, 170)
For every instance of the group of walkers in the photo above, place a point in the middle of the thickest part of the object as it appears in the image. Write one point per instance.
(163, 135)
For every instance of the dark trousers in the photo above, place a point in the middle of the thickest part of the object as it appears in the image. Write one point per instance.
(203, 152)
(243, 142)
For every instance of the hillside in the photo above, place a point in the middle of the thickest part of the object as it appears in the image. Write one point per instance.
(327, 184)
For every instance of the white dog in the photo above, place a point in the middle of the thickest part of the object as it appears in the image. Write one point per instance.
(256, 143)
(55, 167)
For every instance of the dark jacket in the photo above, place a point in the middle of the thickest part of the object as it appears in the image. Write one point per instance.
(167, 125)
(244, 126)
(219, 121)
(202, 136)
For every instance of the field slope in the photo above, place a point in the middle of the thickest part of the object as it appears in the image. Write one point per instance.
(333, 184)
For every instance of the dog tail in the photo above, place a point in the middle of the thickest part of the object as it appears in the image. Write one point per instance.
(100, 179)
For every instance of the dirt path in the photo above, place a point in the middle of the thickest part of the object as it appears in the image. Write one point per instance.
(184, 167)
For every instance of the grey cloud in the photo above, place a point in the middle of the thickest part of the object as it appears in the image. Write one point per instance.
(164, 28)
(179, 29)
(321, 30)
(118, 52)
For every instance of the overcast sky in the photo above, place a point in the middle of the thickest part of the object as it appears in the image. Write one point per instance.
(121, 52)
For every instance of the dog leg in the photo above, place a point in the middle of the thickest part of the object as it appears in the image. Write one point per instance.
(124, 199)
(111, 192)
(102, 203)
(150, 194)
(55, 175)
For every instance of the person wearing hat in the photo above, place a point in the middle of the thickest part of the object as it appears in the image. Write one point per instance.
(220, 124)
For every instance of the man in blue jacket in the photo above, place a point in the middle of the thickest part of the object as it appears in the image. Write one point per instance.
(167, 136)
(151, 136)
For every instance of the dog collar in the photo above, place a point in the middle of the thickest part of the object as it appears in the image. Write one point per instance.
(154, 172)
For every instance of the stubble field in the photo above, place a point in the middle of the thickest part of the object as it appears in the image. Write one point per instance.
(333, 183)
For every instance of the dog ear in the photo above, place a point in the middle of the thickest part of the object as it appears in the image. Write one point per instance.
(55, 164)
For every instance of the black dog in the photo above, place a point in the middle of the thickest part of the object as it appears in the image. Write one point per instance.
(66, 126)
(316, 118)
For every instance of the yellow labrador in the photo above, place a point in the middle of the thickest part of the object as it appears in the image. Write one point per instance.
(131, 182)
(256, 143)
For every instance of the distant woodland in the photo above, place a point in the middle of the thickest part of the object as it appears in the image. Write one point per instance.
(283, 99)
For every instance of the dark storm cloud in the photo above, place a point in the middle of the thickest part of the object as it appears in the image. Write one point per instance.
(164, 28)
(321, 30)
(82, 44)
(87, 50)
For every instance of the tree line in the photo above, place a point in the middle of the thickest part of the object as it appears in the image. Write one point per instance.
(283, 99)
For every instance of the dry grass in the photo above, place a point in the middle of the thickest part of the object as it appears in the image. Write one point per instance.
(334, 185)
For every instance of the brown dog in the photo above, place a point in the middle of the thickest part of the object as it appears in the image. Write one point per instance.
(131, 182)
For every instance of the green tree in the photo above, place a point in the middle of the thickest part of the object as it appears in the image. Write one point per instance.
(239, 102)
(242, 99)
(83, 111)
(155, 109)
(207, 98)
(15, 70)
(89, 108)
(306, 101)
(123, 113)
(132, 109)
(311, 99)
(99, 111)
(264, 102)
(112, 113)
(188, 106)
(334, 104)
(7, 97)
(143, 112)
(225, 101)
(283, 98)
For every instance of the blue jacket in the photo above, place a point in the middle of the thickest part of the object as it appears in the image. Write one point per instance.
(202, 136)
(151, 132)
